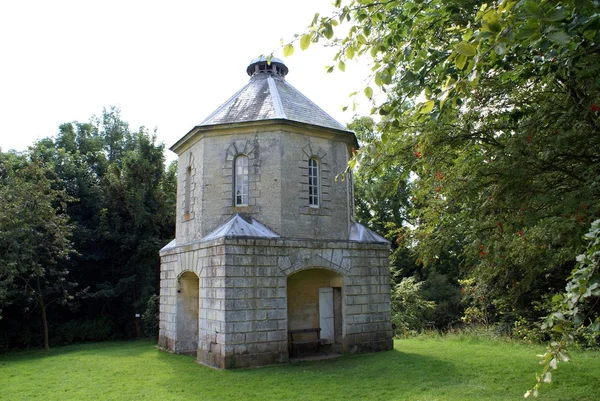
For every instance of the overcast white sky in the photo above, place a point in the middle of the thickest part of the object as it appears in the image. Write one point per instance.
(167, 65)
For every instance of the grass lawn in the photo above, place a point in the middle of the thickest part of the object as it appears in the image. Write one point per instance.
(446, 368)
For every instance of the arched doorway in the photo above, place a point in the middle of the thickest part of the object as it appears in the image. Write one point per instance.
(188, 286)
(314, 300)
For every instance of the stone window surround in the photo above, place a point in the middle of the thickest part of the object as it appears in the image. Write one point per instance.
(247, 148)
(241, 198)
(324, 208)
(191, 186)
(314, 182)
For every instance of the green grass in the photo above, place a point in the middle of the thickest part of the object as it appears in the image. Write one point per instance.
(427, 368)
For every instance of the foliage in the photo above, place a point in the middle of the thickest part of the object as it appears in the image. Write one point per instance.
(424, 368)
(82, 330)
(408, 306)
(569, 317)
(443, 49)
(382, 203)
(121, 209)
(494, 109)
(35, 238)
(150, 317)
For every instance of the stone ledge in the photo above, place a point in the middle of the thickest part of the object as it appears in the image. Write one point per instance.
(287, 242)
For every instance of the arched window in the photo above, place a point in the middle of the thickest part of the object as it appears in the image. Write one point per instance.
(241, 180)
(313, 182)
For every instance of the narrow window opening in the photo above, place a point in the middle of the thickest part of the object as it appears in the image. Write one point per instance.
(241, 180)
(313, 182)
(188, 190)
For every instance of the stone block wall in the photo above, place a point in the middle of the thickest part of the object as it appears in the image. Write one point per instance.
(278, 181)
(243, 296)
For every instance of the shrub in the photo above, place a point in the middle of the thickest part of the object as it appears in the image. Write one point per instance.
(409, 308)
(99, 329)
(150, 317)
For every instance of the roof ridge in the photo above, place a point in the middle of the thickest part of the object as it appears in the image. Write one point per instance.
(276, 98)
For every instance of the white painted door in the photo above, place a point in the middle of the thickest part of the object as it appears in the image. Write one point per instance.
(326, 313)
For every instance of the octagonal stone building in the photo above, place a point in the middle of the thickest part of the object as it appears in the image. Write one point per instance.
(266, 244)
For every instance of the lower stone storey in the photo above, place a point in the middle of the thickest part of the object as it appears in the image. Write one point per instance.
(233, 301)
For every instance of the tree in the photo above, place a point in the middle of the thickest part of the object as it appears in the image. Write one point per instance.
(35, 237)
(121, 211)
(123, 215)
(494, 109)
(384, 203)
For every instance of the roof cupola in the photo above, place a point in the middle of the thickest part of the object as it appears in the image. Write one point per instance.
(262, 65)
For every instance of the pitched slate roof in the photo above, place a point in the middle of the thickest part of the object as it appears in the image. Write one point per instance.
(268, 96)
(237, 226)
(360, 233)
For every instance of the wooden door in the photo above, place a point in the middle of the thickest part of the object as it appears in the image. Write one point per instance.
(326, 320)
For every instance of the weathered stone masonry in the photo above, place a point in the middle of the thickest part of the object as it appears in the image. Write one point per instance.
(243, 318)
(237, 279)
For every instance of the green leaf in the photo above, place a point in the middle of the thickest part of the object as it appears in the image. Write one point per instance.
(560, 37)
(531, 7)
(305, 41)
(352, 163)
(288, 50)
(409, 77)
(350, 52)
(378, 80)
(361, 39)
(556, 15)
(460, 62)
(465, 49)
(328, 31)
(525, 33)
(368, 92)
(590, 34)
(501, 49)
(427, 107)
(467, 35)
(491, 22)
(342, 66)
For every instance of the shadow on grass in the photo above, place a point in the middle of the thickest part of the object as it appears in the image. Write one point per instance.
(384, 375)
(117, 348)
(415, 370)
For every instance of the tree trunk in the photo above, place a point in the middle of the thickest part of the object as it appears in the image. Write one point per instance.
(44, 319)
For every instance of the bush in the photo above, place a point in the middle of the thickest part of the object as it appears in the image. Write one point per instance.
(409, 308)
(448, 309)
(99, 329)
(150, 317)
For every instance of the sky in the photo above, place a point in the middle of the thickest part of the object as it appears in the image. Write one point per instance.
(166, 64)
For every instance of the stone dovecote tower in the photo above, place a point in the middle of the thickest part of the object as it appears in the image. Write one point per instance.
(266, 241)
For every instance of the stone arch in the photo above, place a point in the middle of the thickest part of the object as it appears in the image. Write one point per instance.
(336, 260)
(188, 305)
(314, 301)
